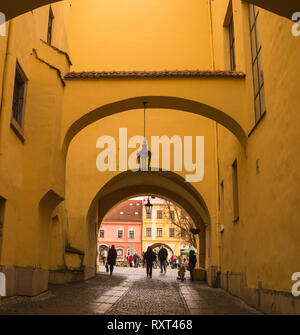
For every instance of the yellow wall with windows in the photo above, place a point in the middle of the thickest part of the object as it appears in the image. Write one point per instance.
(176, 243)
(51, 216)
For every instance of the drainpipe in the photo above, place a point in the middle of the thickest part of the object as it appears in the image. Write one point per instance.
(5, 75)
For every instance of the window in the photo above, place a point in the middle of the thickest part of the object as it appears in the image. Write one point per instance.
(121, 213)
(258, 77)
(18, 108)
(2, 210)
(159, 214)
(131, 234)
(136, 213)
(120, 252)
(172, 216)
(148, 232)
(148, 215)
(159, 232)
(172, 232)
(102, 233)
(235, 192)
(232, 44)
(120, 233)
(130, 204)
(50, 26)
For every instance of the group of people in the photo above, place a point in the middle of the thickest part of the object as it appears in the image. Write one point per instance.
(149, 257)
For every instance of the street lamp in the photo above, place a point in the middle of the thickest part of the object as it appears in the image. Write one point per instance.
(148, 207)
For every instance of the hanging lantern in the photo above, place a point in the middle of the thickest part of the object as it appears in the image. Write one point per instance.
(195, 231)
(144, 156)
(148, 207)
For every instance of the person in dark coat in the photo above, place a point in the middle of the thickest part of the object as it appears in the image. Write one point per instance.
(192, 263)
(150, 257)
(162, 256)
(111, 258)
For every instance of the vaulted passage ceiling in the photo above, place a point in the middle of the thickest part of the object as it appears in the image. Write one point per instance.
(13, 8)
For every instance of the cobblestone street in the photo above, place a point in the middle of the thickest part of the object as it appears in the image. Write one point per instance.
(127, 292)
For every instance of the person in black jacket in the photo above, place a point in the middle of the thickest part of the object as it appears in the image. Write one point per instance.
(111, 258)
(162, 256)
(150, 257)
(192, 263)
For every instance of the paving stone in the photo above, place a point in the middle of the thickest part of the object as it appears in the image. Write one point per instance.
(129, 291)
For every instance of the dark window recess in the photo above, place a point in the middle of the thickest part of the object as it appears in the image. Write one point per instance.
(120, 233)
(172, 215)
(159, 214)
(19, 96)
(258, 77)
(235, 192)
(102, 233)
(159, 232)
(232, 45)
(50, 26)
(131, 234)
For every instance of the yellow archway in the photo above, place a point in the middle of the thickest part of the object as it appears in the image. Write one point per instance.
(129, 184)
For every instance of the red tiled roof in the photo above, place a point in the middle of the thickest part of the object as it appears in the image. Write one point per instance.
(129, 211)
(153, 74)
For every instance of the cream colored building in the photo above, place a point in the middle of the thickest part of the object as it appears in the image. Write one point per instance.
(158, 229)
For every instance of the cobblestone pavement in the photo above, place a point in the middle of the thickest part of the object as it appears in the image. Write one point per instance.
(128, 291)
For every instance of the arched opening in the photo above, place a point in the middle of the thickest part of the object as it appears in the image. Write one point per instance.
(155, 103)
(158, 245)
(161, 184)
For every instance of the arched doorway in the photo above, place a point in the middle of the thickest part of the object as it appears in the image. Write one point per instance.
(129, 184)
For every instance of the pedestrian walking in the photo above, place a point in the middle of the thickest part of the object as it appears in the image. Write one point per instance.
(136, 259)
(192, 263)
(162, 256)
(111, 259)
(104, 256)
(130, 260)
(150, 257)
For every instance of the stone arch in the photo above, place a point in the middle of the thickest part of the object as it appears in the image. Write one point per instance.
(155, 102)
(158, 244)
(163, 184)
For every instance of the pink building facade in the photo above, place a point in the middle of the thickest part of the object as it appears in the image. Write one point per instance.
(122, 227)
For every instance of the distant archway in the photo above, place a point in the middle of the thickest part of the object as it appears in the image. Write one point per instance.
(158, 245)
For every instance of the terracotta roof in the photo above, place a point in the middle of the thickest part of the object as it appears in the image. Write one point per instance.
(153, 74)
(126, 212)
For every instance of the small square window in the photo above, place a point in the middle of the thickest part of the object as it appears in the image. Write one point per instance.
(148, 232)
(159, 232)
(172, 232)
